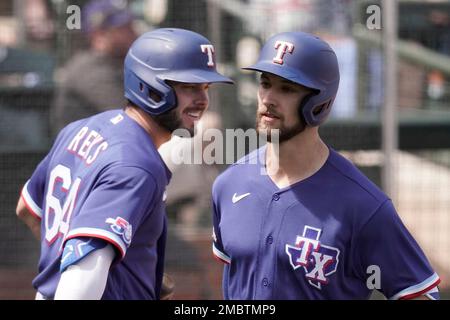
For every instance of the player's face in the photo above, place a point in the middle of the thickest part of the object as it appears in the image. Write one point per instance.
(192, 102)
(278, 103)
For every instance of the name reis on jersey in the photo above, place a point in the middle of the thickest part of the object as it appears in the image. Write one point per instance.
(87, 144)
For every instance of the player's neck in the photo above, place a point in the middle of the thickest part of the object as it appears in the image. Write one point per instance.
(158, 134)
(297, 159)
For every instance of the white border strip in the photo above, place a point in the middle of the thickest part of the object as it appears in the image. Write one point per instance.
(30, 202)
(416, 288)
(220, 254)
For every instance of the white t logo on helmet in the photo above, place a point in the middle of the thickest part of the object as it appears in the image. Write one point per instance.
(282, 47)
(208, 49)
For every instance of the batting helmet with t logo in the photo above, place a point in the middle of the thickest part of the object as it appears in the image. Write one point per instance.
(167, 54)
(306, 60)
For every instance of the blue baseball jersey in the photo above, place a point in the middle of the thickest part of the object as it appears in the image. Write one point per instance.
(334, 235)
(103, 179)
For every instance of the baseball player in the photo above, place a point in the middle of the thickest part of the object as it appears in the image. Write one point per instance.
(96, 201)
(313, 226)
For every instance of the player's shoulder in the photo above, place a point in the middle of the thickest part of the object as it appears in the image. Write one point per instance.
(95, 122)
(130, 145)
(354, 180)
(254, 157)
(127, 144)
(67, 133)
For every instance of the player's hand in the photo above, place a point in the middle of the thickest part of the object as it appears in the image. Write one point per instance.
(167, 288)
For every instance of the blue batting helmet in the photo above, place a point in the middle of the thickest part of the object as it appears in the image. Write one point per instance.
(167, 54)
(307, 60)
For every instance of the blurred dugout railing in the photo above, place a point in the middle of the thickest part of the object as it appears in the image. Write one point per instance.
(237, 29)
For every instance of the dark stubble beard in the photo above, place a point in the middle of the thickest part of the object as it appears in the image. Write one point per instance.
(285, 133)
(171, 121)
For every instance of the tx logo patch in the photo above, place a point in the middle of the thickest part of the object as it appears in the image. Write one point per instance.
(318, 260)
(121, 227)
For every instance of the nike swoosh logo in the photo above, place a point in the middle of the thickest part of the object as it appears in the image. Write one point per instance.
(236, 198)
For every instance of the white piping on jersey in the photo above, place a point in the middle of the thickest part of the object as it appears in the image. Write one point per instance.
(102, 234)
(416, 288)
(219, 254)
(30, 202)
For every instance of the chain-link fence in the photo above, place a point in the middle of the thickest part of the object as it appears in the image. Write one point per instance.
(31, 63)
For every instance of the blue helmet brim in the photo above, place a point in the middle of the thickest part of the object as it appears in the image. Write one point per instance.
(195, 76)
(285, 72)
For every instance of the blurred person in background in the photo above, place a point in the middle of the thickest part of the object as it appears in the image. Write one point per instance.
(39, 24)
(92, 80)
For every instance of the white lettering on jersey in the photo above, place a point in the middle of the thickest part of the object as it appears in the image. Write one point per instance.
(87, 146)
(209, 50)
(282, 47)
(92, 139)
(57, 217)
(100, 148)
(73, 145)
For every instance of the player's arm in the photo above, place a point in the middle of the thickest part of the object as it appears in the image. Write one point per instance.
(404, 269)
(32, 221)
(217, 246)
(167, 288)
(84, 278)
(29, 205)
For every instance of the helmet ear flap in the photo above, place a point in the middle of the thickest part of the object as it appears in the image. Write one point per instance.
(155, 94)
(152, 95)
(314, 110)
(317, 110)
(161, 95)
(303, 109)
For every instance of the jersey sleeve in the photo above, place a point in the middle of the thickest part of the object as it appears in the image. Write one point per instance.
(76, 249)
(34, 188)
(385, 243)
(217, 246)
(121, 199)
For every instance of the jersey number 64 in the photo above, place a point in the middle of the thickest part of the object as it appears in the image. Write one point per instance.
(57, 217)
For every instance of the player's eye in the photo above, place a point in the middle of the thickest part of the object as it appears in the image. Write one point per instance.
(264, 84)
(288, 89)
(188, 86)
